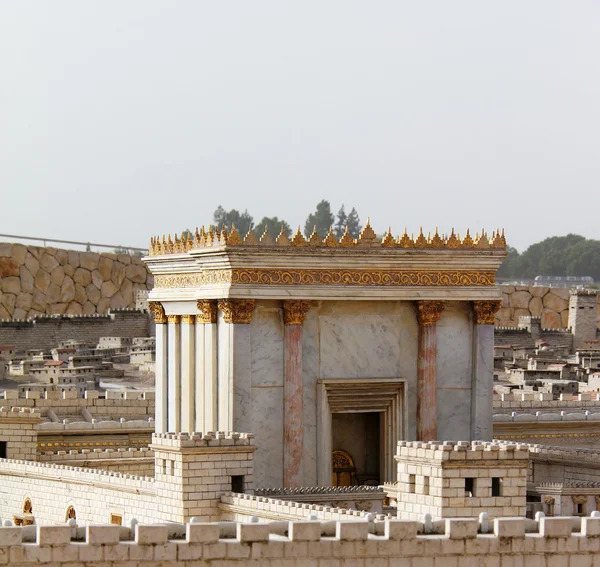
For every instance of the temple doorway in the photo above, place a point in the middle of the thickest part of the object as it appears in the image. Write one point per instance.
(356, 455)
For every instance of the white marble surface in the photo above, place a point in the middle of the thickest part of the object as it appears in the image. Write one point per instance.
(267, 346)
(267, 425)
(454, 414)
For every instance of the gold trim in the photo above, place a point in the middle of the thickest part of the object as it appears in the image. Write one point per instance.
(379, 278)
(294, 312)
(485, 312)
(237, 311)
(158, 312)
(188, 319)
(429, 312)
(173, 319)
(208, 311)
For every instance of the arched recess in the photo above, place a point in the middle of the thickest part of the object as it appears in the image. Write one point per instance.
(70, 514)
(27, 506)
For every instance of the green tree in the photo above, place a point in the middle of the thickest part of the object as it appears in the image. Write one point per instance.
(242, 221)
(511, 265)
(322, 218)
(354, 227)
(274, 225)
(340, 224)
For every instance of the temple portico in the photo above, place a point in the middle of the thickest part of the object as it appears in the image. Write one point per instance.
(329, 351)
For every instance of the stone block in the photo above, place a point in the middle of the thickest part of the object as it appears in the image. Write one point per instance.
(252, 532)
(556, 527)
(400, 529)
(54, 535)
(202, 533)
(464, 528)
(590, 527)
(151, 534)
(10, 536)
(509, 527)
(102, 534)
(352, 531)
(304, 531)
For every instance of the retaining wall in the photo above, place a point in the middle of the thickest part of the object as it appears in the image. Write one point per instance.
(36, 281)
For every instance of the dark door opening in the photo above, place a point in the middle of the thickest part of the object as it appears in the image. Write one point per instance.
(356, 449)
(3, 453)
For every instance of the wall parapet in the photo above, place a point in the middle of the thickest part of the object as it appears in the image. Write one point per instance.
(539, 416)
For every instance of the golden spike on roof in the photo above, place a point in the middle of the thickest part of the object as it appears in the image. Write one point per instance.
(282, 239)
(499, 242)
(298, 239)
(330, 240)
(267, 239)
(482, 242)
(315, 239)
(406, 241)
(367, 236)
(436, 241)
(421, 241)
(347, 241)
(389, 241)
(250, 239)
(453, 241)
(467, 241)
(234, 237)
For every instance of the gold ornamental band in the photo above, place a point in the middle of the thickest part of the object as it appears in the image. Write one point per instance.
(382, 278)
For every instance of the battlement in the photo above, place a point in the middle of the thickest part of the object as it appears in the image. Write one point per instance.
(97, 454)
(547, 542)
(441, 452)
(539, 416)
(199, 439)
(29, 413)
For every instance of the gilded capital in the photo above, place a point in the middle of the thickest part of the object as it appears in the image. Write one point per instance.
(158, 312)
(208, 311)
(173, 319)
(294, 311)
(238, 311)
(485, 311)
(429, 312)
(188, 319)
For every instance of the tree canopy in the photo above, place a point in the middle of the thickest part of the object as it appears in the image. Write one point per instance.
(274, 224)
(242, 221)
(570, 255)
(322, 219)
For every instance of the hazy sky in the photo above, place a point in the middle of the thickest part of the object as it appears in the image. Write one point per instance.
(123, 119)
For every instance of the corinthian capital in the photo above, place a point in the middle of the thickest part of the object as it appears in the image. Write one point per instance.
(429, 312)
(294, 311)
(485, 311)
(208, 311)
(238, 311)
(158, 312)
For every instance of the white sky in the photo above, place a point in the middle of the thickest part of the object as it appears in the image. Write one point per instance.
(124, 119)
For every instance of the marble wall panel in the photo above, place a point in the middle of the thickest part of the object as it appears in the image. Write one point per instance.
(267, 345)
(310, 375)
(267, 425)
(454, 415)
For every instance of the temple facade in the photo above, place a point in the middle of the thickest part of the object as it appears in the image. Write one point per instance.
(329, 351)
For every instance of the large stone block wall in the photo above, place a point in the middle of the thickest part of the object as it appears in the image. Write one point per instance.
(549, 303)
(45, 332)
(37, 281)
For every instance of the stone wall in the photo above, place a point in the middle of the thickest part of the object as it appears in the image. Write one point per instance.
(551, 542)
(549, 303)
(46, 331)
(36, 281)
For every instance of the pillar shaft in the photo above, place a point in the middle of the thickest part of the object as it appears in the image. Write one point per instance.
(188, 373)
(482, 388)
(161, 365)
(174, 374)
(293, 398)
(428, 315)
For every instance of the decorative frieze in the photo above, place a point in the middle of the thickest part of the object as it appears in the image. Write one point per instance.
(429, 312)
(237, 311)
(294, 311)
(158, 312)
(208, 311)
(485, 311)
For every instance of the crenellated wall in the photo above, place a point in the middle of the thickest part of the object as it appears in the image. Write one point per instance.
(50, 281)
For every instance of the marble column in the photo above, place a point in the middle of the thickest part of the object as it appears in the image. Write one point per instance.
(482, 387)
(294, 313)
(428, 314)
(206, 366)
(174, 374)
(234, 365)
(188, 373)
(160, 320)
